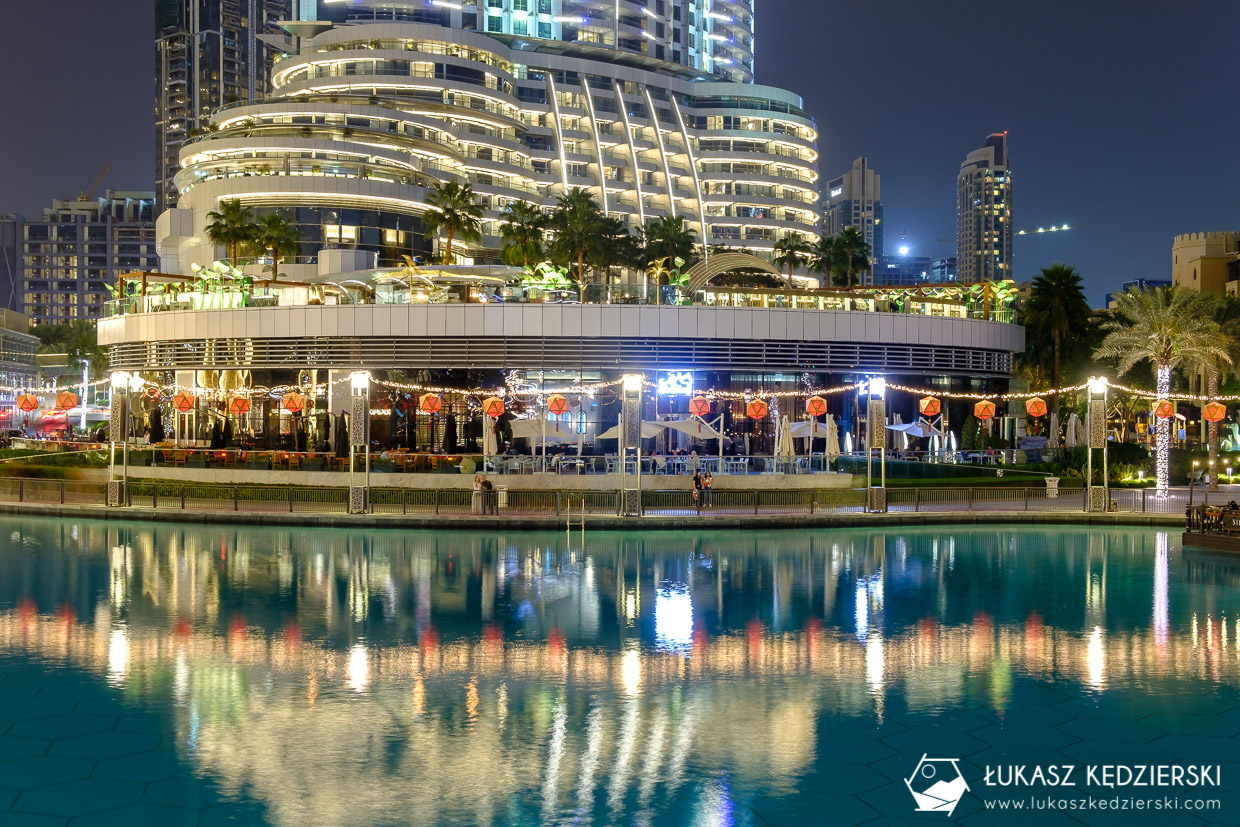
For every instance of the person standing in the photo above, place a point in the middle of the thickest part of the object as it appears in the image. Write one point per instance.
(489, 503)
(707, 481)
(697, 488)
(475, 506)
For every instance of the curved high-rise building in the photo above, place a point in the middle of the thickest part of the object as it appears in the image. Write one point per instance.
(648, 106)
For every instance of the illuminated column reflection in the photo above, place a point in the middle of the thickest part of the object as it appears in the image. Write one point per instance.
(1161, 568)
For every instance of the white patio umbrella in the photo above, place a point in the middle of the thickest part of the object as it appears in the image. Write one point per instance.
(786, 450)
(833, 437)
(535, 429)
(693, 426)
(1081, 437)
(1052, 432)
(848, 443)
(489, 445)
(649, 429)
(1070, 436)
(898, 423)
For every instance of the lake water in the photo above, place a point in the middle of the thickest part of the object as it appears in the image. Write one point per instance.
(167, 674)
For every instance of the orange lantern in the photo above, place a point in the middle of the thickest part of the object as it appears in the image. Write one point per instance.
(66, 400)
(1164, 409)
(293, 402)
(493, 407)
(152, 392)
(1036, 406)
(27, 402)
(984, 409)
(1213, 411)
(929, 406)
(815, 406)
(183, 402)
(699, 406)
(557, 404)
(430, 403)
(756, 409)
(239, 405)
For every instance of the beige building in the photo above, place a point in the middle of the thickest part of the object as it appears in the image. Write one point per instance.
(1205, 261)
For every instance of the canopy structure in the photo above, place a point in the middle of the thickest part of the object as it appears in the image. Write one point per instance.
(538, 429)
(649, 429)
(809, 428)
(915, 429)
(694, 426)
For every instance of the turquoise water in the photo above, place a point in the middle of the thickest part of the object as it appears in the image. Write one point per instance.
(199, 675)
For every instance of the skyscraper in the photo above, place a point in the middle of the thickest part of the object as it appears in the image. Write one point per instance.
(854, 199)
(208, 53)
(984, 213)
(372, 106)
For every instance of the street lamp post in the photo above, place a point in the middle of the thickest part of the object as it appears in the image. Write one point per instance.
(359, 436)
(876, 440)
(118, 423)
(1096, 498)
(631, 445)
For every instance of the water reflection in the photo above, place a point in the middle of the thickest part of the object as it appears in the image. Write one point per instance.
(346, 678)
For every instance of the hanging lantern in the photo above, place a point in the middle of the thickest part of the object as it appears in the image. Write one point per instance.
(183, 402)
(152, 392)
(1036, 406)
(293, 402)
(1164, 409)
(699, 406)
(27, 402)
(815, 406)
(984, 409)
(557, 404)
(1213, 411)
(756, 409)
(237, 406)
(66, 400)
(430, 403)
(929, 406)
(493, 407)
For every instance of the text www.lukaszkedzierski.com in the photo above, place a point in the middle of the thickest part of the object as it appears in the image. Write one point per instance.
(1091, 803)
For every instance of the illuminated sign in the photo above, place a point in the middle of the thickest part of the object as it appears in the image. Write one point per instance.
(676, 383)
(837, 192)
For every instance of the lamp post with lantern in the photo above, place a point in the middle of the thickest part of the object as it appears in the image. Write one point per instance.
(1096, 496)
(876, 440)
(359, 437)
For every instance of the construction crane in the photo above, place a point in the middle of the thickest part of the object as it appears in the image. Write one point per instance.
(85, 195)
(1054, 228)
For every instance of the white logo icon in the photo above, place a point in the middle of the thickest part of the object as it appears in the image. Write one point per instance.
(937, 785)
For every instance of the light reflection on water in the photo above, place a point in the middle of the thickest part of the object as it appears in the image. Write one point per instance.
(349, 678)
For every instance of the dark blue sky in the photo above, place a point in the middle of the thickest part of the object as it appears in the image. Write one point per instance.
(1123, 118)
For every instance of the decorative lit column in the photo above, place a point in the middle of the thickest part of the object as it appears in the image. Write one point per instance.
(876, 440)
(1096, 416)
(118, 423)
(359, 437)
(631, 445)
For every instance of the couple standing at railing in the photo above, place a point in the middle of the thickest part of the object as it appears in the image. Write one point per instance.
(484, 500)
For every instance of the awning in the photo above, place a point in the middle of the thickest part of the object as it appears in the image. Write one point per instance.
(693, 426)
(649, 429)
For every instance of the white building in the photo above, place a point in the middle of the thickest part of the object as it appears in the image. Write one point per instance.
(365, 114)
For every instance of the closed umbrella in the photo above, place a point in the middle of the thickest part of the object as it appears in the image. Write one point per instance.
(787, 450)
(157, 425)
(1053, 430)
(449, 434)
(898, 422)
(1081, 438)
(1070, 440)
(833, 437)
(489, 445)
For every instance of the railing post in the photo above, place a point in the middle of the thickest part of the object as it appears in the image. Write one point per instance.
(21, 490)
(755, 502)
(155, 496)
(557, 503)
(1026, 498)
(290, 499)
(1143, 500)
(812, 503)
(235, 498)
(62, 492)
(182, 497)
(436, 501)
(917, 499)
(970, 497)
(404, 501)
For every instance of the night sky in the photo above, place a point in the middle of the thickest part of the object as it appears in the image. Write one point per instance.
(1122, 117)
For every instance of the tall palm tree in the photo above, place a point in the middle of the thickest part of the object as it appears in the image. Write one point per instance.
(615, 246)
(232, 227)
(1167, 327)
(452, 210)
(790, 251)
(853, 254)
(278, 238)
(1226, 311)
(1057, 309)
(523, 227)
(578, 223)
(669, 238)
(824, 257)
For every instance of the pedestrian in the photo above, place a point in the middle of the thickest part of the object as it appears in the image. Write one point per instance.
(490, 506)
(707, 481)
(697, 488)
(476, 504)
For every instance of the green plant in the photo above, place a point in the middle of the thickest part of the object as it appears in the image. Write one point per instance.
(453, 211)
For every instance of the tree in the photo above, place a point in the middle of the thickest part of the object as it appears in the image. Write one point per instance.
(824, 257)
(853, 254)
(232, 227)
(1167, 327)
(790, 251)
(578, 224)
(669, 238)
(454, 212)
(523, 227)
(1057, 309)
(615, 246)
(79, 341)
(278, 238)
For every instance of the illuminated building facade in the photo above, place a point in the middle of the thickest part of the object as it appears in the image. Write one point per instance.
(984, 213)
(855, 199)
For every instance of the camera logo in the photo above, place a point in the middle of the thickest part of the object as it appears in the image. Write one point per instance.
(937, 785)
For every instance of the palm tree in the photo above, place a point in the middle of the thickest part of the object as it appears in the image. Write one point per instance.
(76, 339)
(232, 227)
(523, 228)
(854, 254)
(578, 224)
(790, 252)
(824, 257)
(1226, 311)
(452, 210)
(278, 238)
(1168, 327)
(1057, 309)
(669, 238)
(615, 246)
